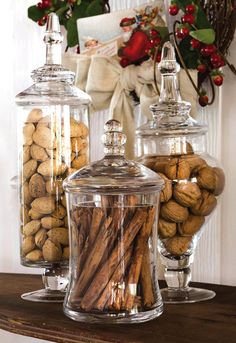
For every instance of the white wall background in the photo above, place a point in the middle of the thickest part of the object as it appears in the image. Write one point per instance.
(22, 51)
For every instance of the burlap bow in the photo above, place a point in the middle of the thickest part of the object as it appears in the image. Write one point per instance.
(109, 86)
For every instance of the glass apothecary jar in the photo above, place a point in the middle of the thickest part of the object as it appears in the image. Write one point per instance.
(174, 145)
(53, 142)
(113, 214)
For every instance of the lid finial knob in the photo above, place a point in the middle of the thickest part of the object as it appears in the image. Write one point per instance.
(113, 139)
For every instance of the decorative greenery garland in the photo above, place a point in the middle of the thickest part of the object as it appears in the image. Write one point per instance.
(202, 37)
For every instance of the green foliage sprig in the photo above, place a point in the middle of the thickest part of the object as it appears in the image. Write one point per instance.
(68, 12)
(198, 42)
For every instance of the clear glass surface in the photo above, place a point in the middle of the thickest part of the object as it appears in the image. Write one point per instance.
(174, 146)
(113, 212)
(53, 142)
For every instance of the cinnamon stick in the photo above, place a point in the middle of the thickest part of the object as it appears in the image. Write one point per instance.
(98, 214)
(135, 268)
(115, 283)
(93, 227)
(103, 276)
(94, 258)
(146, 280)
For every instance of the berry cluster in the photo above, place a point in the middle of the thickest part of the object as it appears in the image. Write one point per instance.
(209, 59)
(153, 44)
(43, 5)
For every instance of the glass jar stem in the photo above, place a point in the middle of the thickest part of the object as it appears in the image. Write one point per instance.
(55, 278)
(178, 278)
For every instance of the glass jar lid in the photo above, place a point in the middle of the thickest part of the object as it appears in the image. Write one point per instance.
(53, 82)
(171, 114)
(114, 174)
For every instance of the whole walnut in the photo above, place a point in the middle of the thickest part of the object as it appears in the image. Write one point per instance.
(206, 178)
(166, 229)
(166, 192)
(147, 161)
(177, 168)
(160, 164)
(195, 162)
(220, 181)
(178, 245)
(191, 225)
(186, 193)
(172, 211)
(205, 205)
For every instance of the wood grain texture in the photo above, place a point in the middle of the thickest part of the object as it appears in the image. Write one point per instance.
(207, 322)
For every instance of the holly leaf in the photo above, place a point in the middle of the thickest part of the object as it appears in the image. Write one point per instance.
(72, 33)
(164, 33)
(206, 36)
(189, 56)
(34, 13)
(60, 12)
(94, 8)
(201, 19)
(79, 11)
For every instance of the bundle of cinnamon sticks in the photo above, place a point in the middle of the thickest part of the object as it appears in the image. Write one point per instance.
(111, 257)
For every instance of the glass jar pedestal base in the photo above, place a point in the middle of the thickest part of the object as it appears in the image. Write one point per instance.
(178, 276)
(186, 295)
(114, 318)
(55, 280)
(45, 296)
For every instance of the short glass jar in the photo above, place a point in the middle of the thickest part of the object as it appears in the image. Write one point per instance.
(113, 214)
(53, 142)
(174, 145)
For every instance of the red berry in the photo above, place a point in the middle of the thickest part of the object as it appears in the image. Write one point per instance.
(41, 22)
(46, 3)
(190, 9)
(149, 45)
(203, 100)
(201, 68)
(178, 34)
(188, 19)
(124, 62)
(208, 50)
(40, 5)
(78, 49)
(216, 60)
(218, 80)
(158, 57)
(184, 31)
(173, 9)
(195, 43)
(222, 63)
(153, 42)
(154, 33)
(156, 41)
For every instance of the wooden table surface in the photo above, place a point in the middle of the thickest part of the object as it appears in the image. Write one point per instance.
(211, 321)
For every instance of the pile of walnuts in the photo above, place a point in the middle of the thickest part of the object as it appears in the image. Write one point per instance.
(189, 196)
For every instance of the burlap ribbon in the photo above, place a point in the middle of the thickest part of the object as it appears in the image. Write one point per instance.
(109, 86)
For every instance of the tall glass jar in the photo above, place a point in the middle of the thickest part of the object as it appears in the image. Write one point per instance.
(174, 145)
(113, 213)
(53, 142)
